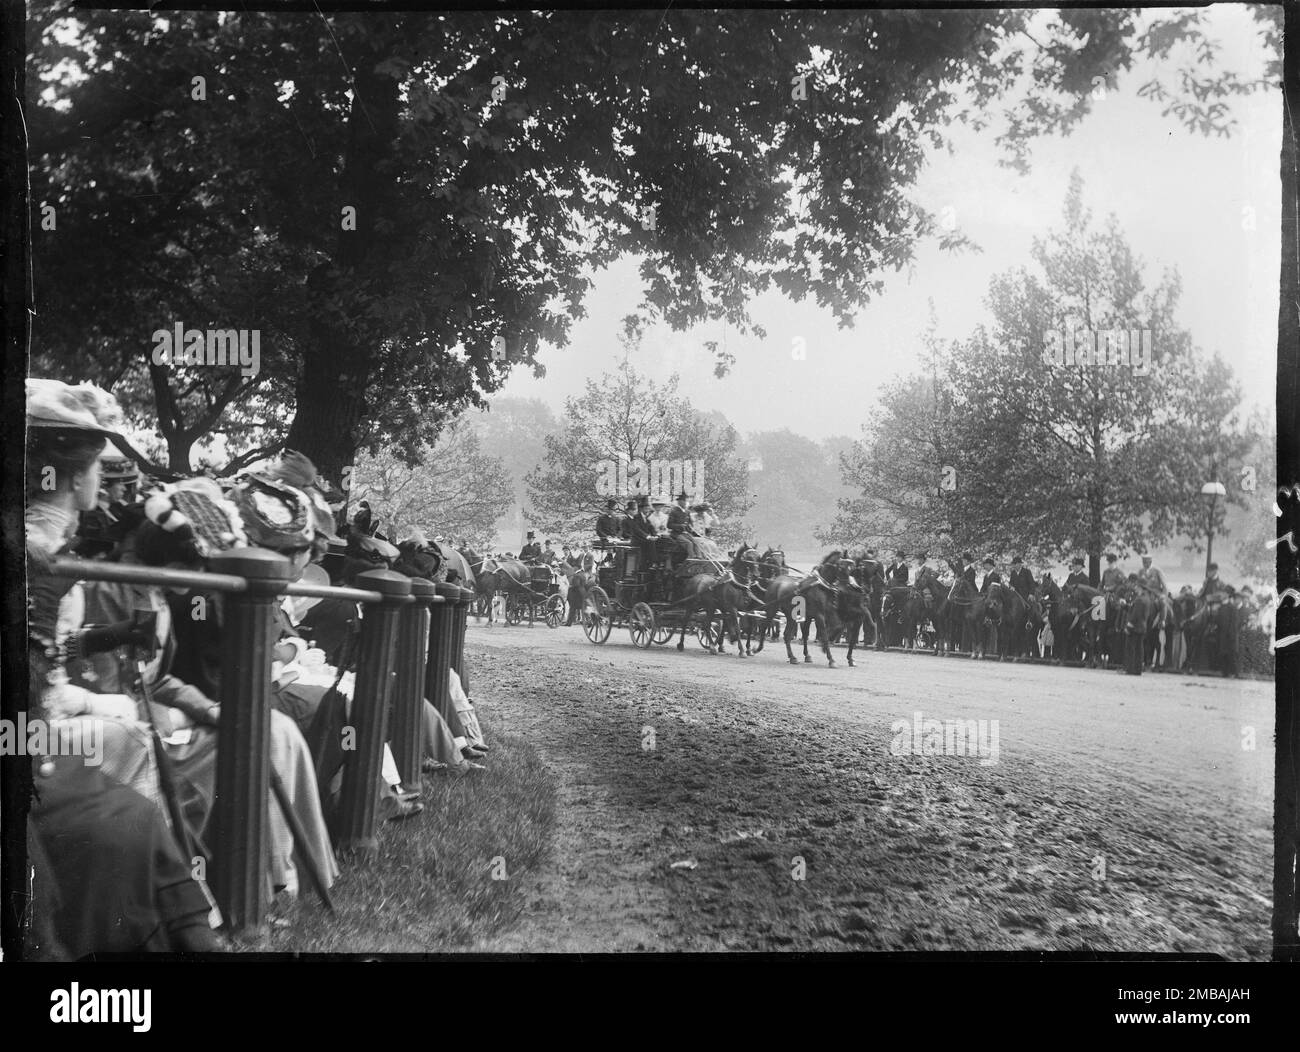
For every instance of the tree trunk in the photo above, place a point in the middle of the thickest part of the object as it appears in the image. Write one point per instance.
(330, 397)
(179, 444)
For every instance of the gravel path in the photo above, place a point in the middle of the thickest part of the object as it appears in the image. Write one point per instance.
(1120, 813)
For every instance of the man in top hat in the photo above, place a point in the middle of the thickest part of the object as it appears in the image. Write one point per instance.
(898, 572)
(1113, 576)
(679, 519)
(1151, 577)
(680, 529)
(625, 523)
(1021, 579)
(531, 552)
(1077, 574)
(991, 575)
(610, 524)
(968, 571)
(642, 533)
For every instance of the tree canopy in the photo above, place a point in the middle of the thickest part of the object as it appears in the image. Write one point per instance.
(406, 206)
(454, 489)
(1018, 439)
(627, 435)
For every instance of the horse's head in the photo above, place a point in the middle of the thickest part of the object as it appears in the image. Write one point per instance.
(1034, 611)
(993, 604)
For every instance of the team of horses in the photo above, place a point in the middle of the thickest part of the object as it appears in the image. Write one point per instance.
(1132, 626)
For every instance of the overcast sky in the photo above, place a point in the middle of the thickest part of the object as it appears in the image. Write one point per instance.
(1179, 198)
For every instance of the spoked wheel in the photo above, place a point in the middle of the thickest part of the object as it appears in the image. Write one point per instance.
(556, 611)
(514, 610)
(596, 620)
(641, 625)
(662, 634)
(706, 635)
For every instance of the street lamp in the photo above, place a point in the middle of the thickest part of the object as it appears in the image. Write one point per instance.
(1212, 490)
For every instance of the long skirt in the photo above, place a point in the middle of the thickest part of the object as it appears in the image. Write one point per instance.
(196, 769)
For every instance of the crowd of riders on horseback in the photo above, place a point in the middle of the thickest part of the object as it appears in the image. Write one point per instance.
(1131, 620)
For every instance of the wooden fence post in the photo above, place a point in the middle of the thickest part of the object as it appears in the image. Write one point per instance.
(460, 620)
(437, 684)
(240, 841)
(408, 702)
(376, 675)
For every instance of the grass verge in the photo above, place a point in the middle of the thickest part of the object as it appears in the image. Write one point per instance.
(430, 888)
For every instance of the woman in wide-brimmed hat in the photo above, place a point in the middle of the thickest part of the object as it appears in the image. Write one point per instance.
(108, 874)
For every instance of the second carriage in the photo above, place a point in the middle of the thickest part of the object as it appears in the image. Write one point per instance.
(543, 599)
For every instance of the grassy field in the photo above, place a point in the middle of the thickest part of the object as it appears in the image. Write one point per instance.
(431, 886)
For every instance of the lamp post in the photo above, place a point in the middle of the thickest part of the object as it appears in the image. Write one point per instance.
(1213, 491)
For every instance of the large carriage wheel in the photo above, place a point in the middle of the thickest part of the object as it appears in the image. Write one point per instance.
(556, 611)
(641, 625)
(706, 635)
(663, 633)
(514, 609)
(596, 620)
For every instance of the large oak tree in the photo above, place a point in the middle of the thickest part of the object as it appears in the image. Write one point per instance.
(387, 196)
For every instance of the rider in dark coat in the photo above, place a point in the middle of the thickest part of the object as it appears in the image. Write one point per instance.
(898, 573)
(1077, 574)
(991, 576)
(1021, 579)
(1112, 577)
(1215, 589)
(530, 552)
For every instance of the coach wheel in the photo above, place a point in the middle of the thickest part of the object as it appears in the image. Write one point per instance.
(556, 611)
(663, 633)
(641, 625)
(514, 610)
(596, 622)
(707, 636)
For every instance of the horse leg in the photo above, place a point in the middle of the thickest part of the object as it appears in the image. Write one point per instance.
(791, 629)
(732, 617)
(851, 629)
(687, 614)
(826, 644)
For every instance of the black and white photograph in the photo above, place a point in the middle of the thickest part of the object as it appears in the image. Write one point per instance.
(674, 480)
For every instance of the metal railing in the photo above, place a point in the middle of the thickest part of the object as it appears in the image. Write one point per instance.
(412, 633)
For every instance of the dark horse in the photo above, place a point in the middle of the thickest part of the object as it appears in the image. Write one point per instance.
(1083, 632)
(818, 600)
(1014, 621)
(723, 596)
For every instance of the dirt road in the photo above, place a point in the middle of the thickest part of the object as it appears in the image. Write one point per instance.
(814, 808)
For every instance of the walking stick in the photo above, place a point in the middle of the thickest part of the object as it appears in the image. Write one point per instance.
(184, 834)
(185, 838)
